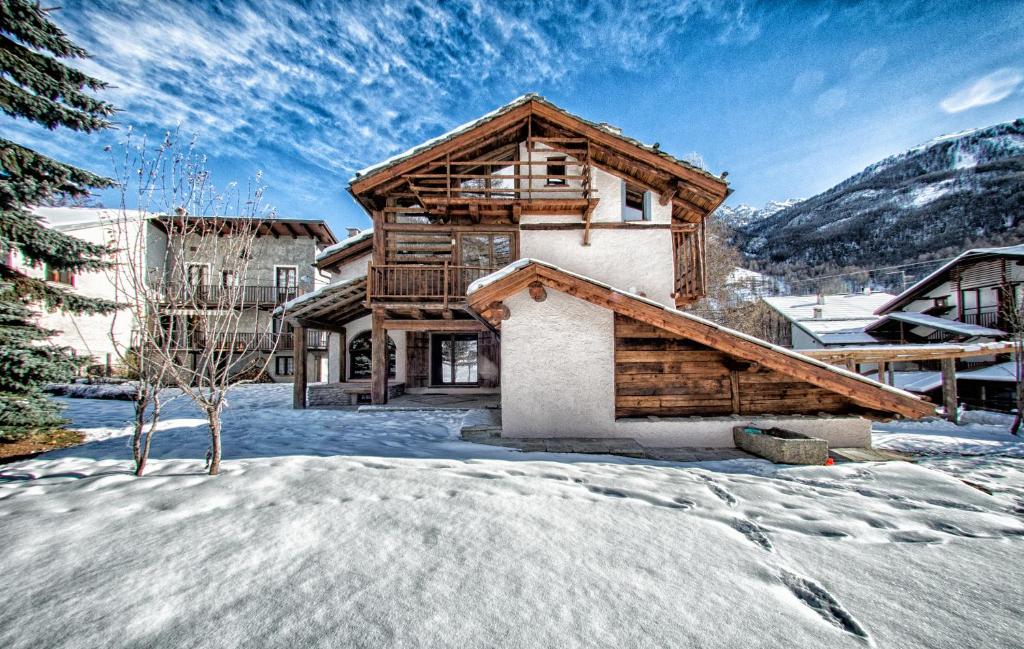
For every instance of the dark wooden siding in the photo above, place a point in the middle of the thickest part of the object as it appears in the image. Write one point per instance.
(658, 373)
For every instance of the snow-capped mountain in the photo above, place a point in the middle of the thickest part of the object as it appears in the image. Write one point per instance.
(954, 192)
(743, 215)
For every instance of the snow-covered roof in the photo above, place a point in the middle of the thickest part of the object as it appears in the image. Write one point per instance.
(847, 338)
(1006, 371)
(848, 313)
(329, 251)
(520, 264)
(942, 324)
(928, 282)
(68, 217)
(370, 170)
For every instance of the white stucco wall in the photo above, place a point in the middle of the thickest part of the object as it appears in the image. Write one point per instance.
(350, 269)
(628, 259)
(558, 380)
(91, 335)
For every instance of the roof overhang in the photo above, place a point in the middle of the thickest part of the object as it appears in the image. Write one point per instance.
(329, 307)
(939, 275)
(941, 324)
(519, 110)
(485, 297)
(223, 225)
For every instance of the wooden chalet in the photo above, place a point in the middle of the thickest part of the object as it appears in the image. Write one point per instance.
(528, 180)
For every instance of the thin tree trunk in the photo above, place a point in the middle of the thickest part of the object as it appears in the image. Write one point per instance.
(140, 421)
(140, 466)
(213, 417)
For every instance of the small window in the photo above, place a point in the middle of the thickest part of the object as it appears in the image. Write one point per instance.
(636, 203)
(60, 276)
(227, 278)
(285, 366)
(556, 167)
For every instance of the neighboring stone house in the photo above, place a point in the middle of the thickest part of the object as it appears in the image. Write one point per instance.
(280, 269)
(602, 229)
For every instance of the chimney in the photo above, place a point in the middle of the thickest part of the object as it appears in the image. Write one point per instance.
(352, 232)
(821, 298)
(818, 312)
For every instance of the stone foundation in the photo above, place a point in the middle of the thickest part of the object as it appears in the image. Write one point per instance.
(330, 395)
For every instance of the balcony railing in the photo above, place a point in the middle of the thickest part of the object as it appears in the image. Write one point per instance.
(254, 342)
(534, 177)
(214, 295)
(984, 317)
(418, 283)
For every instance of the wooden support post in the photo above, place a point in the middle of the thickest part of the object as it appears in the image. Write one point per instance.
(378, 359)
(892, 374)
(949, 389)
(299, 365)
(734, 388)
(881, 372)
(343, 356)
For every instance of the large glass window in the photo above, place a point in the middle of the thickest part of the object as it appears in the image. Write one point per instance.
(453, 359)
(359, 357)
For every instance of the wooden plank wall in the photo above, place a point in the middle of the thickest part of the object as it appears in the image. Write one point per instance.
(417, 359)
(658, 373)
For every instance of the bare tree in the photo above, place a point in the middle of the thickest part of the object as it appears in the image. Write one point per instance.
(730, 301)
(191, 330)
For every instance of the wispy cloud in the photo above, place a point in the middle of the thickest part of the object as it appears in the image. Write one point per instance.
(342, 84)
(830, 101)
(989, 89)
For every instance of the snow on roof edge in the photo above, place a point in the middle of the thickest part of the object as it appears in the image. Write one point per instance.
(1015, 250)
(323, 290)
(345, 243)
(372, 169)
(522, 263)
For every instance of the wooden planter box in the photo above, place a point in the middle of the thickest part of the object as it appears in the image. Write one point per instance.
(781, 446)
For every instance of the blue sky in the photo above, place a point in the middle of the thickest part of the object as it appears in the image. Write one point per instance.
(790, 98)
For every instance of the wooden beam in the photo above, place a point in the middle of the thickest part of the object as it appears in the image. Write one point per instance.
(949, 399)
(378, 359)
(433, 325)
(916, 352)
(299, 366)
(537, 292)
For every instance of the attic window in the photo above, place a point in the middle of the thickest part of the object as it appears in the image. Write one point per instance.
(636, 203)
(556, 167)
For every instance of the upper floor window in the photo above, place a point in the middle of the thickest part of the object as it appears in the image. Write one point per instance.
(227, 278)
(60, 276)
(636, 203)
(556, 167)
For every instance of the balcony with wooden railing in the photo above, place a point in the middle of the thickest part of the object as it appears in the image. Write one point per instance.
(501, 183)
(437, 284)
(218, 296)
(263, 342)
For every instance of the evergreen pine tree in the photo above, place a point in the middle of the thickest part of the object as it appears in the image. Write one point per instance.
(36, 86)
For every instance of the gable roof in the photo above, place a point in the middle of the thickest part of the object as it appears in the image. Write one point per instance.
(522, 107)
(483, 293)
(939, 275)
(840, 314)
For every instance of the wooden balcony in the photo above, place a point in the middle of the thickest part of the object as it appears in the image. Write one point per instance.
(263, 342)
(503, 184)
(211, 296)
(433, 284)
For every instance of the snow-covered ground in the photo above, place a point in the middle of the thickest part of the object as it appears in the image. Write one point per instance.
(336, 529)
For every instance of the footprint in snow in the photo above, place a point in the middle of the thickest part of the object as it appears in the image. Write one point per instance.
(753, 532)
(823, 603)
(721, 492)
